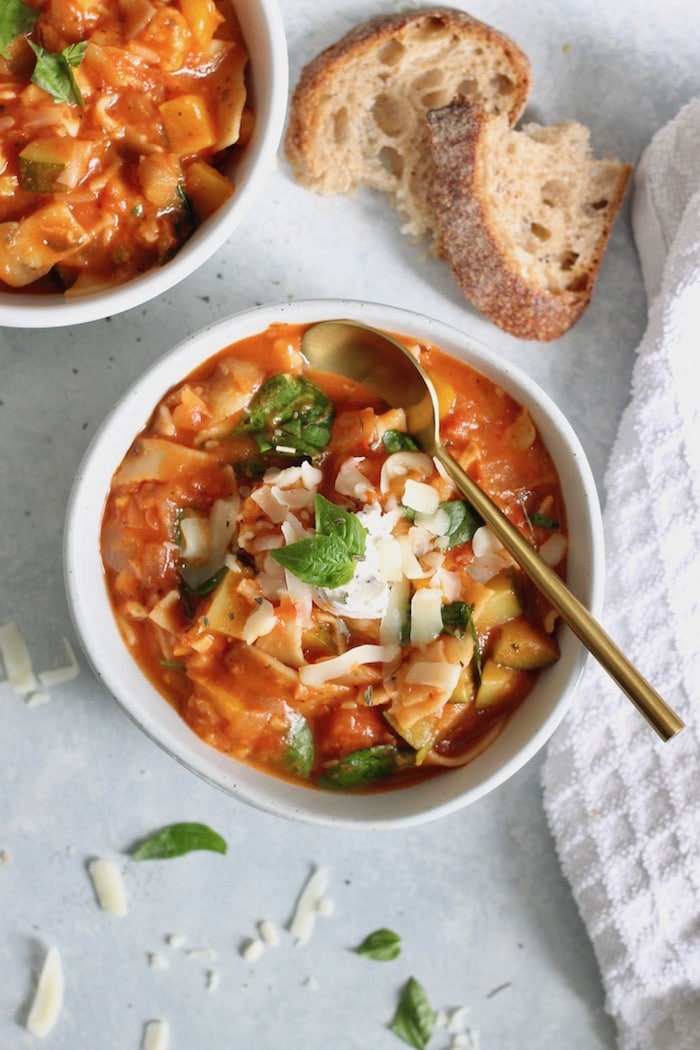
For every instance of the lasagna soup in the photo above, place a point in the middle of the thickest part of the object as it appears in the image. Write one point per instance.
(307, 588)
(117, 118)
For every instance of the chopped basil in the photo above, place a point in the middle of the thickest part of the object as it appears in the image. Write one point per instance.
(299, 742)
(543, 521)
(53, 72)
(414, 1020)
(463, 521)
(382, 945)
(178, 839)
(363, 767)
(328, 558)
(188, 593)
(289, 415)
(16, 19)
(457, 619)
(398, 441)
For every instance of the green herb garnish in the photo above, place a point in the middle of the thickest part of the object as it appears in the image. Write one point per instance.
(189, 594)
(463, 521)
(363, 767)
(382, 945)
(398, 441)
(414, 1020)
(289, 415)
(53, 72)
(543, 521)
(16, 19)
(328, 558)
(457, 619)
(178, 839)
(299, 743)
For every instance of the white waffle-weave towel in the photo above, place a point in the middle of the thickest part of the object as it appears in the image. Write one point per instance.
(623, 806)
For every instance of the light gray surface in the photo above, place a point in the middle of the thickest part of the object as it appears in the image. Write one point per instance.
(477, 897)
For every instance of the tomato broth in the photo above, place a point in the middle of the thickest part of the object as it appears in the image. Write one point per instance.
(308, 589)
(119, 121)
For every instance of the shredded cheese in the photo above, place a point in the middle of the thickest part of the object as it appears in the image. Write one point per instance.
(17, 661)
(48, 998)
(61, 675)
(156, 1036)
(426, 615)
(420, 497)
(337, 666)
(269, 933)
(259, 622)
(302, 924)
(109, 886)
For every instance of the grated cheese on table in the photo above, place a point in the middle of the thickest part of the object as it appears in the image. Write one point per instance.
(303, 920)
(156, 1035)
(109, 886)
(48, 998)
(16, 660)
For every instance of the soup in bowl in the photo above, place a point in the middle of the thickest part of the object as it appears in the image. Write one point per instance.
(134, 136)
(292, 598)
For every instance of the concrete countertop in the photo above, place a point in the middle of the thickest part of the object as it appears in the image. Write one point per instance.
(486, 918)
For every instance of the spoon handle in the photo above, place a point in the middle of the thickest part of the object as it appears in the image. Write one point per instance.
(657, 712)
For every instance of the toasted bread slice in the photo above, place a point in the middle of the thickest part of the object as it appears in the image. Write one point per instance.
(523, 217)
(357, 115)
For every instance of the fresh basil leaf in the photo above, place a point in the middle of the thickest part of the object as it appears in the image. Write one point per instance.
(289, 415)
(543, 521)
(457, 619)
(362, 767)
(328, 558)
(332, 520)
(398, 441)
(299, 742)
(463, 521)
(16, 19)
(53, 72)
(414, 1020)
(382, 945)
(178, 839)
(322, 561)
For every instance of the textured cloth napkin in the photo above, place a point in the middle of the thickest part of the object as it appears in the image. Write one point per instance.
(623, 806)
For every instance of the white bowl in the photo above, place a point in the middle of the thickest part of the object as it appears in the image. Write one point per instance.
(268, 73)
(527, 730)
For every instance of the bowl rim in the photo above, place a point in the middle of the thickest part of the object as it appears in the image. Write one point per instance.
(33, 311)
(98, 634)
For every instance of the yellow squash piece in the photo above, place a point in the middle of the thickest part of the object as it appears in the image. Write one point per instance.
(521, 645)
(497, 684)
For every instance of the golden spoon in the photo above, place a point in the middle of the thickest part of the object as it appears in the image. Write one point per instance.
(379, 362)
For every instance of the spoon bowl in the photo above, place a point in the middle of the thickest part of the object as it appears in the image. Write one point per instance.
(383, 364)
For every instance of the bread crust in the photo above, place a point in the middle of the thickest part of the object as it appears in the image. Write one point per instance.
(485, 267)
(318, 77)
